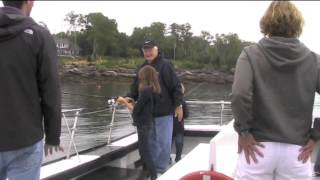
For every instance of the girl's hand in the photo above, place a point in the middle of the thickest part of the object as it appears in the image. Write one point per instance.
(124, 101)
(121, 100)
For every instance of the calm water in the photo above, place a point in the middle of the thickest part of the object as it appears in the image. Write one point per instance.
(93, 129)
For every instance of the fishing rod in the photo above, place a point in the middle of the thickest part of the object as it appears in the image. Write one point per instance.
(192, 90)
(86, 95)
(110, 100)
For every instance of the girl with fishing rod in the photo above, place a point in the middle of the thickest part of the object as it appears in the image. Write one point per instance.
(142, 113)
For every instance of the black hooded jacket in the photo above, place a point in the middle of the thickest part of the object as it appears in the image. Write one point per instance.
(171, 94)
(30, 101)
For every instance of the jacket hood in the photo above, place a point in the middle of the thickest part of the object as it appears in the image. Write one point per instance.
(284, 52)
(13, 22)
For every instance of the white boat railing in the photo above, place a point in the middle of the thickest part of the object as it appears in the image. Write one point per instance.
(114, 105)
(71, 131)
(209, 102)
(221, 103)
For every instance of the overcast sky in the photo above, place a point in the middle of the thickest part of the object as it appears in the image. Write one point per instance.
(239, 17)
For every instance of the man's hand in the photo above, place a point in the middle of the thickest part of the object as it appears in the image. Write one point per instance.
(249, 145)
(306, 151)
(179, 113)
(48, 149)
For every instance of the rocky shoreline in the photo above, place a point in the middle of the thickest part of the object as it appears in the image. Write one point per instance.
(91, 71)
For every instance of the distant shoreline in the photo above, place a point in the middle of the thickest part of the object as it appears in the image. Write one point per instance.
(71, 72)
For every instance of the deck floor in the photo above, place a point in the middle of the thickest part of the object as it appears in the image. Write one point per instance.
(112, 171)
(115, 173)
(124, 168)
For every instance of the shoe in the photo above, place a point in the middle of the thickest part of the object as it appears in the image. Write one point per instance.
(177, 159)
(138, 163)
(153, 177)
(170, 161)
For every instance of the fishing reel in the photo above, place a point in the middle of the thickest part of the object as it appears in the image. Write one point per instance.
(112, 100)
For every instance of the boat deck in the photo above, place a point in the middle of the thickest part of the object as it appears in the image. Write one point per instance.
(125, 169)
(69, 168)
(117, 161)
(115, 173)
(196, 160)
(120, 156)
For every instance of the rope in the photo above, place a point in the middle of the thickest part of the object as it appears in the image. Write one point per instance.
(85, 95)
(94, 112)
(67, 111)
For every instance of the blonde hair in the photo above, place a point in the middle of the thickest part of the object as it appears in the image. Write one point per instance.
(148, 77)
(283, 19)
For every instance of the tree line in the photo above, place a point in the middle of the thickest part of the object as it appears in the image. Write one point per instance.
(98, 37)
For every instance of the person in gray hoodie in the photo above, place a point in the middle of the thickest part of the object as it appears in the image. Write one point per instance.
(272, 99)
(30, 97)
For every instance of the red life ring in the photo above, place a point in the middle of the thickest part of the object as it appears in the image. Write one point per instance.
(200, 175)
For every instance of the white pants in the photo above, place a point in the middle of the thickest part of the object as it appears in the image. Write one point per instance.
(280, 162)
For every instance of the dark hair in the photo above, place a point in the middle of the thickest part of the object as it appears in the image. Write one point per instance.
(148, 77)
(16, 4)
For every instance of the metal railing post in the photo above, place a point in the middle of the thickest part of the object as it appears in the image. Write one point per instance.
(114, 105)
(72, 132)
(221, 113)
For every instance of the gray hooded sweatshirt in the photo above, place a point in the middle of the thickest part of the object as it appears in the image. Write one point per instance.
(274, 89)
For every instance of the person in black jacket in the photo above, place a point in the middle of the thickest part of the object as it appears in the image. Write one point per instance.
(178, 129)
(30, 92)
(316, 168)
(171, 101)
(142, 113)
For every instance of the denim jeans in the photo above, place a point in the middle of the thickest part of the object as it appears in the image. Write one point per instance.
(163, 139)
(178, 140)
(22, 164)
(145, 144)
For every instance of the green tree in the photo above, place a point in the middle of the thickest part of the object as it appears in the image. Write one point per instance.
(102, 33)
(98, 36)
(138, 36)
(183, 39)
(227, 49)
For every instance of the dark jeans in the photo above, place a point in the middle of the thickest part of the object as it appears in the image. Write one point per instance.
(145, 144)
(178, 140)
(317, 163)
